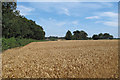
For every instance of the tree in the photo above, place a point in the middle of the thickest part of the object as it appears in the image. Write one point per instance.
(101, 36)
(83, 35)
(15, 25)
(68, 35)
(80, 35)
(106, 35)
(76, 35)
(111, 37)
(95, 37)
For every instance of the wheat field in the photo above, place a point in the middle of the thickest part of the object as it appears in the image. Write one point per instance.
(62, 59)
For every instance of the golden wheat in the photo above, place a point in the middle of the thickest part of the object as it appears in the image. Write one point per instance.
(62, 59)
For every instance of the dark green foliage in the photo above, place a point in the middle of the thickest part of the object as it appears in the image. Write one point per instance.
(107, 36)
(15, 25)
(52, 38)
(68, 35)
(80, 35)
(61, 38)
(111, 37)
(102, 36)
(95, 37)
(16, 29)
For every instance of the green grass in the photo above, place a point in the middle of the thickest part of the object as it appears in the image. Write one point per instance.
(16, 42)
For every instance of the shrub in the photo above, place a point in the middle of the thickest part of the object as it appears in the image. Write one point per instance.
(8, 43)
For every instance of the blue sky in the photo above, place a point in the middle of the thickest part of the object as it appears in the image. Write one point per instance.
(57, 18)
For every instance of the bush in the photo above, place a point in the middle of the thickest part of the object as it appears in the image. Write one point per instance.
(8, 43)
(53, 39)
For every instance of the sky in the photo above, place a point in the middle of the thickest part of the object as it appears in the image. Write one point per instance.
(57, 18)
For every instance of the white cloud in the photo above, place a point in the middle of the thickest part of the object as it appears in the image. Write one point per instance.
(52, 22)
(93, 17)
(59, 24)
(75, 22)
(109, 18)
(71, 9)
(64, 11)
(24, 10)
(109, 14)
(111, 23)
(78, 9)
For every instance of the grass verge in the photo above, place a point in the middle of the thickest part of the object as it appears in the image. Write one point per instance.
(16, 42)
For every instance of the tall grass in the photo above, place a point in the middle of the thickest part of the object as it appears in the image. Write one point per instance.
(16, 42)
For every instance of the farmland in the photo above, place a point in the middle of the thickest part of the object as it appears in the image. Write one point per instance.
(62, 59)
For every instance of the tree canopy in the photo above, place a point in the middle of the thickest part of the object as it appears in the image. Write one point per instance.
(15, 25)
(68, 35)
(80, 35)
(102, 36)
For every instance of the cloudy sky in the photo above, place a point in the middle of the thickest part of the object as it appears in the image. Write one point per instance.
(57, 18)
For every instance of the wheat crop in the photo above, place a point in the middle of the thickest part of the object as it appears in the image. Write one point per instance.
(62, 59)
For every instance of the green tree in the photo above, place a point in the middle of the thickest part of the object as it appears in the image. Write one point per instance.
(80, 35)
(15, 25)
(76, 35)
(111, 37)
(101, 36)
(68, 35)
(106, 35)
(95, 37)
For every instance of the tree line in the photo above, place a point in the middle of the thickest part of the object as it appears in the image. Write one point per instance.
(17, 26)
(82, 35)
